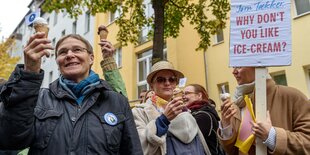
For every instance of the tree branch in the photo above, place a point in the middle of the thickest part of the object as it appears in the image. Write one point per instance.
(173, 3)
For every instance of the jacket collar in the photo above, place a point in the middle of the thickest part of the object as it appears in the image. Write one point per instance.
(59, 92)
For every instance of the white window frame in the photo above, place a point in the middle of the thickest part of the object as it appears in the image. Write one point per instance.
(64, 13)
(50, 77)
(304, 13)
(74, 26)
(53, 44)
(148, 60)
(149, 12)
(118, 57)
(216, 37)
(63, 32)
(87, 21)
(55, 18)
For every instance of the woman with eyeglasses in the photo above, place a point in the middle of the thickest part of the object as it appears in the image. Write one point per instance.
(78, 114)
(197, 100)
(161, 120)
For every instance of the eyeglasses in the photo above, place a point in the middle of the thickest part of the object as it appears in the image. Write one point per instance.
(75, 50)
(164, 79)
(188, 92)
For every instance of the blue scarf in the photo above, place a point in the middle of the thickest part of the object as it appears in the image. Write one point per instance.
(80, 90)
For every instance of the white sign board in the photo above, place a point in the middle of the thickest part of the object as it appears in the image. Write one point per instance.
(29, 19)
(260, 33)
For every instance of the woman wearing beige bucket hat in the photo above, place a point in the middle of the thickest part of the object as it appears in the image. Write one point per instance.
(162, 121)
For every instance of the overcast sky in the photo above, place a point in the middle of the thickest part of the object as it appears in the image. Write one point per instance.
(11, 13)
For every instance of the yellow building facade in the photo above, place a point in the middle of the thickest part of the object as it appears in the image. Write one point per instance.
(208, 68)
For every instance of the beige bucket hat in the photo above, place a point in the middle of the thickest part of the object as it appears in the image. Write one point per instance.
(163, 65)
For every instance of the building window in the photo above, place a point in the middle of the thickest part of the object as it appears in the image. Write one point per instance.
(118, 57)
(64, 13)
(144, 64)
(63, 33)
(25, 28)
(55, 18)
(50, 78)
(165, 52)
(280, 78)
(149, 12)
(54, 44)
(219, 37)
(116, 14)
(74, 27)
(48, 20)
(87, 21)
(302, 6)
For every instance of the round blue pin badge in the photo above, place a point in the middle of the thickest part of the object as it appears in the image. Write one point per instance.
(110, 118)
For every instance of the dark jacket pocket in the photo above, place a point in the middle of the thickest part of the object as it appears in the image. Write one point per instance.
(45, 123)
(113, 131)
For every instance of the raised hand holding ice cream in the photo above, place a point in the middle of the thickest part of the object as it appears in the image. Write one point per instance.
(107, 48)
(37, 46)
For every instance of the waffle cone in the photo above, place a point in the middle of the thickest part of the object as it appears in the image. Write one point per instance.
(177, 92)
(42, 28)
(103, 34)
(180, 94)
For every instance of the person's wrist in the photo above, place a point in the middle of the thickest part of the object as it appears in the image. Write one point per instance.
(224, 124)
(32, 68)
(105, 56)
(108, 64)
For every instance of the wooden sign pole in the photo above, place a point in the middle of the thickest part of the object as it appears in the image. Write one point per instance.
(260, 104)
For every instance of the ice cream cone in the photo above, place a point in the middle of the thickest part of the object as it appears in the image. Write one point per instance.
(42, 28)
(41, 25)
(177, 92)
(103, 32)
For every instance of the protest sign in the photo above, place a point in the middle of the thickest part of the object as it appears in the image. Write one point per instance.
(260, 33)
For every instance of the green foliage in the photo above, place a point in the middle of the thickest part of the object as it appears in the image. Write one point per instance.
(206, 16)
(7, 63)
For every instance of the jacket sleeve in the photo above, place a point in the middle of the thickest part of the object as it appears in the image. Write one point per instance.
(130, 144)
(19, 96)
(112, 75)
(151, 143)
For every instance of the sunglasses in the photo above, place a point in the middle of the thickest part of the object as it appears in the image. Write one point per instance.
(164, 80)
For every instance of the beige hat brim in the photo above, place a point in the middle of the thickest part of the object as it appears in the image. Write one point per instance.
(178, 74)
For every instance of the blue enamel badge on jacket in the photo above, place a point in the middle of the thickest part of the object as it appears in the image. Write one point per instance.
(110, 119)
